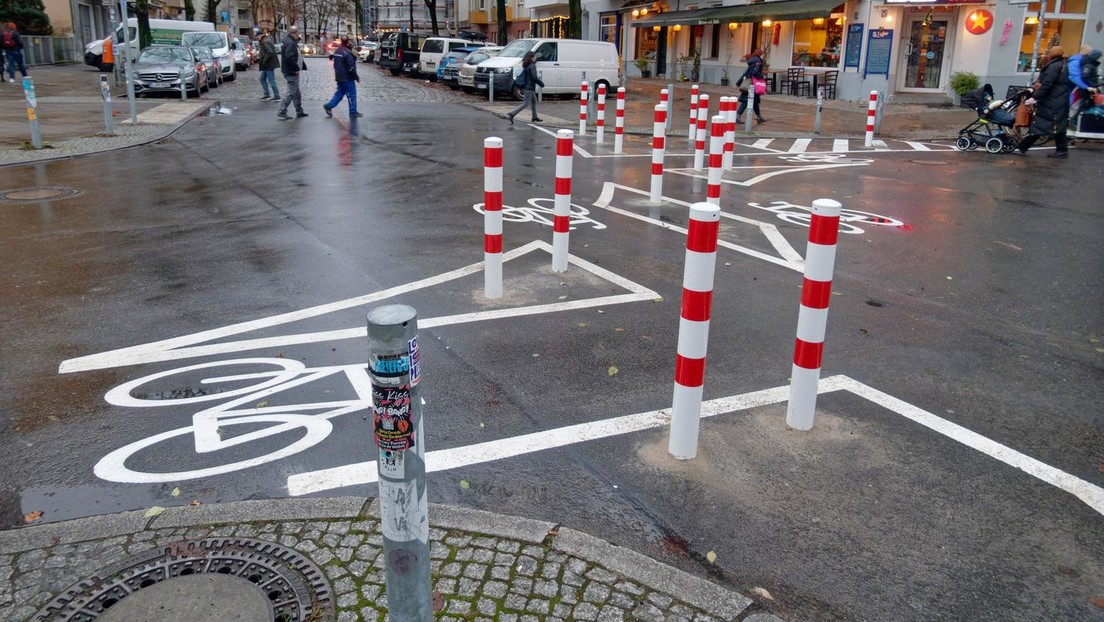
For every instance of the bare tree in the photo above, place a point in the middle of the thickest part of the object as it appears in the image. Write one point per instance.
(432, 6)
(503, 24)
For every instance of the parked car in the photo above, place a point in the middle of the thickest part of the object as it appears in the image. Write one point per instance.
(398, 53)
(211, 64)
(366, 51)
(219, 44)
(159, 68)
(434, 49)
(454, 57)
(465, 78)
(331, 46)
(308, 49)
(561, 63)
(239, 54)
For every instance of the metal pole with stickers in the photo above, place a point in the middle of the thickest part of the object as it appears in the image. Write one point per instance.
(395, 371)
(32, 116)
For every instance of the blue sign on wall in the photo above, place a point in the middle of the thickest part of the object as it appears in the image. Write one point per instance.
(879, 44)
(853, 49)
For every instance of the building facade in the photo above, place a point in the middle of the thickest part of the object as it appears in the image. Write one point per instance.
(898, 47)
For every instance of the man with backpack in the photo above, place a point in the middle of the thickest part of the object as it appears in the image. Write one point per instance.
(1084, 73)
(12, 45)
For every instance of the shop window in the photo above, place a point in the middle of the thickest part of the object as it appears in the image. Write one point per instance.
(715, 42)
(607, 28)
(647, 40)
(817, 42)
(1063, 24)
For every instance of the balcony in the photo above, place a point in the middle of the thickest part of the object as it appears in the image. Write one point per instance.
(546, 4)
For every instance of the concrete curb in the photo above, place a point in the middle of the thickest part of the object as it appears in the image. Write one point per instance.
(712, 598)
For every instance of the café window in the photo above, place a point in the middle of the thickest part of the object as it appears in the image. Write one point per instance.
(817, 42)
(1063, 24)
(647, 40)
(607, 28)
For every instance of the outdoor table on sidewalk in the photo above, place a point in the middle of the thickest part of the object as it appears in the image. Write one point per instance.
(816, 72)
(772, 79)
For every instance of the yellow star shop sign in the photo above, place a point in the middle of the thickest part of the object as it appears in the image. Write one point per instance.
(979, 22)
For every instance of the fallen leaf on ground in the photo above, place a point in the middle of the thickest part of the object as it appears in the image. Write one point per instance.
(601, 311)
(762, 593)
(176, 492)
(564, 297)
(711, 556)
(1098, 601)
(32, 517)
(612, 370)
(464, 485)
(582, 324)
(262, 404)
(154, 511)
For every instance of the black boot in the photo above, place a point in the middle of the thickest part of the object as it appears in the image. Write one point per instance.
(1026, 143)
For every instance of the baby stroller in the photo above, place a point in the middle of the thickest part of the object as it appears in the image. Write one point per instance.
(993, 127)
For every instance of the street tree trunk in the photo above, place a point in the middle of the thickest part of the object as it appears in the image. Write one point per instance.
(189, 10)
(574, 19)
(503, 24)
(432, 6)
(145, 37)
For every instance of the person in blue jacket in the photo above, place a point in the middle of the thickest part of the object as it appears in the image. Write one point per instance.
(1084, 73)
(345, 73)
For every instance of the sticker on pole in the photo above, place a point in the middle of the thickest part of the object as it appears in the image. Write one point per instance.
(392, 464)
(415, 358)
(29, 92)
(404, 515)
(392, 413)
(391, 365)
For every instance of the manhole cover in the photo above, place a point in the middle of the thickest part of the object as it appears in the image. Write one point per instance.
(294, 585)
(38, 194)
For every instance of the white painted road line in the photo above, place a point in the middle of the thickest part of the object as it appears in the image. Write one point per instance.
(763, 143)
(444, 459)
(841, 145)
(186, 346)
(880, 145)
(918, 146)
(800, 145)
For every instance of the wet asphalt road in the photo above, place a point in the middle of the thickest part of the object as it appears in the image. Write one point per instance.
(983, 308)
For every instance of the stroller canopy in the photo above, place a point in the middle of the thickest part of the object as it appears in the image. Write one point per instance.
(977, 99)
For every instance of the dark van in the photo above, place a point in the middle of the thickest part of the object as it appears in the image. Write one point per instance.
(399, 52)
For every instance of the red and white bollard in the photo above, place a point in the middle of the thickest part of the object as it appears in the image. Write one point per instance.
(871, 115)
(601, 118)
(729, 113)
(492, 217)
(561, 220)
(659, 137)
(693, 111)
(619, 122)
(716, 160)
(665, 99)
(812, 320)
(699, 142)
(583, 101)
(693, 339)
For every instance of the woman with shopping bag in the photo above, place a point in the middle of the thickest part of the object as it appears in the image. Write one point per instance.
(758, 88)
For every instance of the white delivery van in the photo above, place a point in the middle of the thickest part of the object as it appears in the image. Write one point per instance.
(163, 32)
(434, 48)
(560, 62)
(219, 44)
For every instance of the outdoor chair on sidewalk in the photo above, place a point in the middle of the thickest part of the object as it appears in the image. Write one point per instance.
(830, 84)
(795, 83)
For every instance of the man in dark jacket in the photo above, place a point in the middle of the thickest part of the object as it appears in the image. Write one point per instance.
(290, 64)
(268, 63)
(1051, 99)
(345, 73)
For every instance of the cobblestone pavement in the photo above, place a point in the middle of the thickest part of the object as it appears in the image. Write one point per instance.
(485, 567)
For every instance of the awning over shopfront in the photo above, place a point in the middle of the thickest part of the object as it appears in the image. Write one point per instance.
(686, 18)
(786, 10)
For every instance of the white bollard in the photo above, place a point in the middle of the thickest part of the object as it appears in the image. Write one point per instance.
(871, 112)
(601, 116)
(730, 132)
(659, 137)
(619, 122)
(583, 99)
(700, 133)
(716, 160)
(693, 339)
(492, 217)
(561, 220)
(693, 112)
(812, 320)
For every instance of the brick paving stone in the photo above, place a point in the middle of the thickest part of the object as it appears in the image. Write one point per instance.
(347, 600)
(358, 568)
(351, 541)
(529, 618)
(507, 617)
(487, 607)
(495, 589)
(576, 566)
(515, 601)
(596, 593)
(570, 578)
(562, 610)
(438, 550)
(446, 586)
(335, 571)
(484, 542)
(323, 556)
(630, 587)
(468, 588)
(344, 554)
(648, 613)
(461, 607)
(623, 600)
(369, 613)
(546, 588)
(505, 558)
(526, 566)
(367, 526)
(508, 546)
(464, 554)
(550, 570)
(331, 539)
(521, 585)
(586, 612)
(601, 575)
(682, 611)
(501, 572)
(369, 591)
(475, 570)
(483, 556)
(452, 569)
(660, 600)
(538, 606)
(458, 540)
(611, 614)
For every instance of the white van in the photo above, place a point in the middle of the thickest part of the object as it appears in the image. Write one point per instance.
(561, 63)
(433, 48)
(163, 32)
(219, 43)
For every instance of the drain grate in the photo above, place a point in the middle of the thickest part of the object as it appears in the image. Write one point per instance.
(295, 586)
(38, 194)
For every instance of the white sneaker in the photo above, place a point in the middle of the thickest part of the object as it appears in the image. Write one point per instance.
(11, 79)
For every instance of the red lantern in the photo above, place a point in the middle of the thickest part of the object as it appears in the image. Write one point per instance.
(979, 22)
(777, 33)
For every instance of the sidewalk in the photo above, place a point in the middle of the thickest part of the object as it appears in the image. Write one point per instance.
(321, 559)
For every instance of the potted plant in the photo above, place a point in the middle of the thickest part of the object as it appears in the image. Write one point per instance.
(962, 82)
(642, 65)
(695, 70)
(724, 77)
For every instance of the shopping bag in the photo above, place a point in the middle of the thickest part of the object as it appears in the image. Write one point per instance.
(760, 85)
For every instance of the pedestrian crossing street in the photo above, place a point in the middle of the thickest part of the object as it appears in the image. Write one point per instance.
(837, 145)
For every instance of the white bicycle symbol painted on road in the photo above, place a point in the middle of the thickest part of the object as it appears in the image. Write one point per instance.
(538, 212)
(248, 406)
(802, 215)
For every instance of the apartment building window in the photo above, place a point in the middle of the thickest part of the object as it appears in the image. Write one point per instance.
(607, 28)
(1063, 24)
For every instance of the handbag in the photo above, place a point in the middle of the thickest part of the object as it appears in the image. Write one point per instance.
(760, 85)
(1023, 116)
